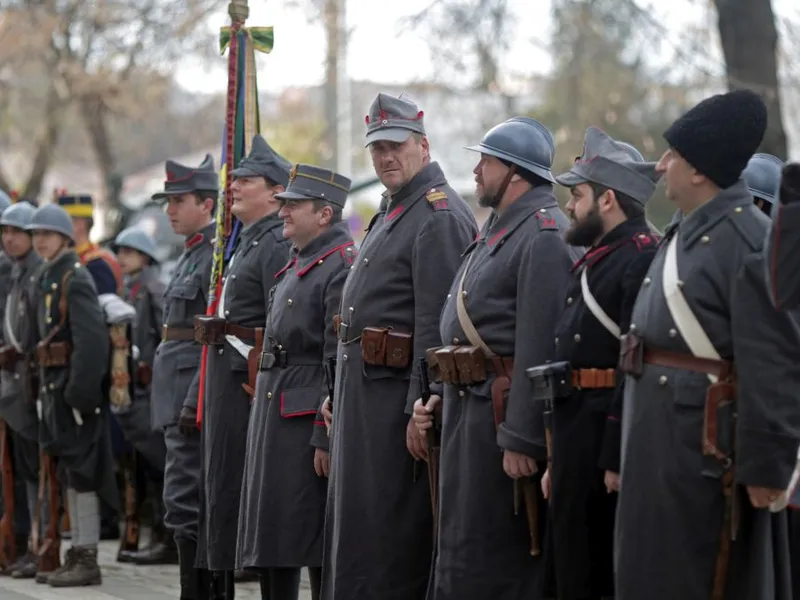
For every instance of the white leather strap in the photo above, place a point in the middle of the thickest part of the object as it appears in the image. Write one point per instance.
(463, 318)
(699, 344)
(689, 327)
(594, 306)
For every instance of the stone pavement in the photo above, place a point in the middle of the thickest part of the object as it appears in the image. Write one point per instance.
(123, 582)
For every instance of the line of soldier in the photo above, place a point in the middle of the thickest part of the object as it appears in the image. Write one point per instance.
(556, 393)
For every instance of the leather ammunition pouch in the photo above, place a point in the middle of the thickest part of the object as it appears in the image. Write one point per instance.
(384, 347)
(465, 365)
(631, 355)
(209, 331)
(9, 357)
(144, 374)
(54, 354)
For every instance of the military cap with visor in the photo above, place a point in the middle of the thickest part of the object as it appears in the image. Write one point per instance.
(614, 165)
(520, 141)
(263, 161)
(307, 182)
(393, 119)
(52, 217)
(186, 180)
(18, 215)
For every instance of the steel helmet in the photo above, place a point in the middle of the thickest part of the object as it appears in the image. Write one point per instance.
(5, 201)
(52, 217)
(763, 176)
(522, 141)
(138, 239)
(17, 215)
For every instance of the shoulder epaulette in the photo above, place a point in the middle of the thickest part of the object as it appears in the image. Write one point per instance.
(437, 199)
(749, 222)
(545, 221)
(645, 241)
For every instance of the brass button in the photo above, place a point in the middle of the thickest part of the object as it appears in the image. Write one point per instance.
(632, 327)
(351, 309)
(344, 356)
(255, 243)
(738, 209)
(97, 410)
(53, 286)
(233, 276)
(52, 386)
(672, 333)
(221, 351)
(449, 295)
(289, 301)
(556, 341)
(705, 239)
(662, 380)
(577, 338)
(280, 347)
(680, 284)
(49, 320)
(269, 394)
(319, 262)
(227, 313)
(461, 393)
(366, 261)
(569, 300)
(464, 294)
(455, 340)
(647, 281)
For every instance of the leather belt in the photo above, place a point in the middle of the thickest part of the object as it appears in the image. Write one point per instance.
(722, 369)
(177, 334)
(594, 379)
(246, 334)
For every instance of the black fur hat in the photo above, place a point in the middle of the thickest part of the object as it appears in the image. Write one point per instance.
(719, 135)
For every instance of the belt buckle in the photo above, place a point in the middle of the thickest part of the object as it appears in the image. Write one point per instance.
(266, 361)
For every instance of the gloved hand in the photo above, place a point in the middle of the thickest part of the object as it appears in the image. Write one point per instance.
(187, 421)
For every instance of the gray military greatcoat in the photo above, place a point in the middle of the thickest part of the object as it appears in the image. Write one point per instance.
(175, 376)
(145, 292)
(378, 528)
(283, 499)
(517, 275)
(81, 445)
(261, 252)
(17, 400)
(670, 509)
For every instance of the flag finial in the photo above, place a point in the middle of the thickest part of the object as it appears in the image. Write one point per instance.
(238, 11)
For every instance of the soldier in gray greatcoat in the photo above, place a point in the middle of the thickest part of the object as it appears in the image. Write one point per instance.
(711, 423)
(284, 488)
(783, 246)
(500, 315)
(73, 354)
(143, 289)
(378, 527)
(191, 195)
(234, 337)
(763, 178)
(18, 378)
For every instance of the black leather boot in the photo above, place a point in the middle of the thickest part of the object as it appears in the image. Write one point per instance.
(162, 549)
(190, 577)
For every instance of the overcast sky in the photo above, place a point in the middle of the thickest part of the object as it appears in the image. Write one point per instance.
(381, 50)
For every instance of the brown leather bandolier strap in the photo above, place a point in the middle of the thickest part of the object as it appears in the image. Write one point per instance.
(54, 354)
(594, 379)
(177, 334)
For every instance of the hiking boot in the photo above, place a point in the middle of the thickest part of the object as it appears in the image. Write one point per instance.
(25, 567)
(69, 557)
(82, 571)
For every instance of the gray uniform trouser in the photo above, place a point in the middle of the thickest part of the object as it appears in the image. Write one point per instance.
(182, 483)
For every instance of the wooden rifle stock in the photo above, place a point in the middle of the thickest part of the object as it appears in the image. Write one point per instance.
(49, 552)
(130, 541)
(8, 546)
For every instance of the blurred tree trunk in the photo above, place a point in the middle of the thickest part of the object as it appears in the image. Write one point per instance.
(749, 42)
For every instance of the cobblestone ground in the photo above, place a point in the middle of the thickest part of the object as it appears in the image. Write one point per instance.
(123, 582)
